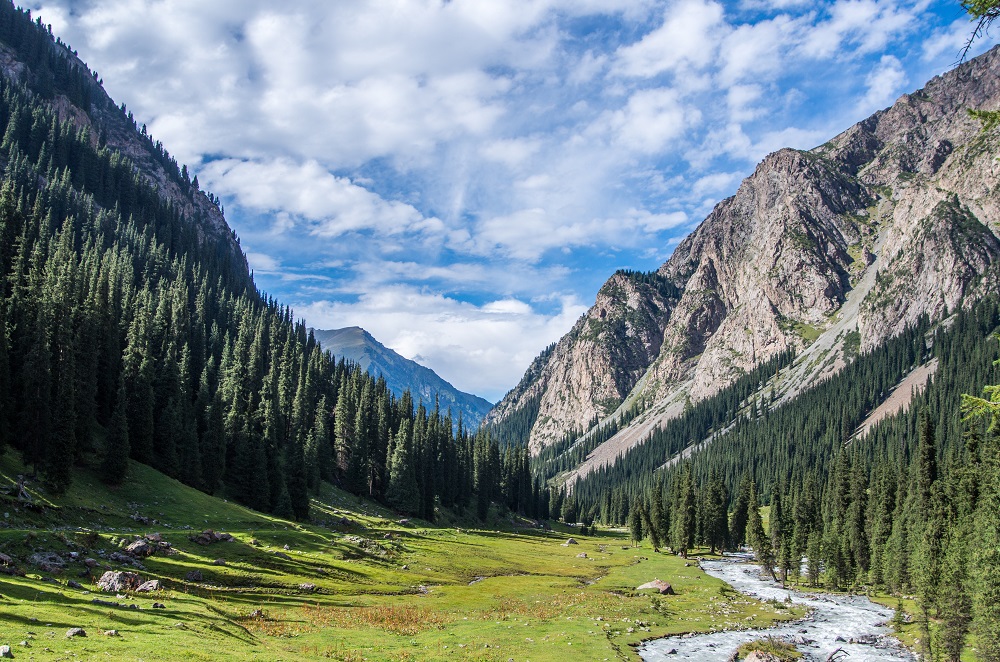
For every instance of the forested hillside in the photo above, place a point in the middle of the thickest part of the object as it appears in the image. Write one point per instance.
(130, 327)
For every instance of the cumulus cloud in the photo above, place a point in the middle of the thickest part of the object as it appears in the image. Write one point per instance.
(885, 82)
(687, 38)
(332, 205)
(479, 349)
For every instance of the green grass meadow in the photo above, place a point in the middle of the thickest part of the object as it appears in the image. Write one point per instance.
(356, 584)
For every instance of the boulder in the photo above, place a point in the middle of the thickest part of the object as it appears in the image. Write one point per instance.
(194, 576)
(74, 584)
(154, 537)
(307, 587)
(569, 542)
(282, 555)
(581, 555)
(47, 561)
(116, 581)
(5, 651)
(6, 560)
(90, 563)
(75, 632)
(148, 587)
(140, 549)
(657, 585)
(111, 633)
(219, 562)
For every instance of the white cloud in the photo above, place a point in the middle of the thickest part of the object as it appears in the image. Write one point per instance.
(651, 120)
(332, 205)
(885, 82)
(688, 38)
(867, 25)
(479, 349)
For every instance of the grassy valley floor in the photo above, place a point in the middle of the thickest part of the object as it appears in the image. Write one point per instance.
(355, 584)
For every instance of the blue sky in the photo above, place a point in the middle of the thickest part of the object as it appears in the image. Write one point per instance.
(460, 177)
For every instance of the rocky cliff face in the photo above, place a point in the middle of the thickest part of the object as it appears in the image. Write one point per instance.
(825, 252)
(585, 376)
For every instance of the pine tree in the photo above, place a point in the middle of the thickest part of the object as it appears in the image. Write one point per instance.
(756, 537)
(738, 522)
(402, 492)
(114, 466)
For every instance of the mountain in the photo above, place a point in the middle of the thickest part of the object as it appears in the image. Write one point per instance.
(401, 374)
(821, 254)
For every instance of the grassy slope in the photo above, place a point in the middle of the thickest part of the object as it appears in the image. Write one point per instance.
(383, 590)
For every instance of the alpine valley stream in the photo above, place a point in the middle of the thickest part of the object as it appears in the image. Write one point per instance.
(851, 623)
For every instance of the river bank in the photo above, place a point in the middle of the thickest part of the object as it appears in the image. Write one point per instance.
(853, 624)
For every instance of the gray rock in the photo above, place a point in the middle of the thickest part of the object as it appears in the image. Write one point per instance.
(148, 587)
(75, 632)
(194, 576)
(5, 651)
(117, 581)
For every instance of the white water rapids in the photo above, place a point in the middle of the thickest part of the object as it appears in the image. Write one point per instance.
(852, 623)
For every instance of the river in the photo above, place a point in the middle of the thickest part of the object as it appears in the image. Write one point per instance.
(851, 623)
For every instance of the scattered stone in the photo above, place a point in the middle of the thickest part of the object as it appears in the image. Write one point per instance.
(219, 562)
(75, 632)
(111, 633)
(581, 555)
(658, 585)
(208, 537)
(24, 644)
(74, 584)
(154, 537)
(307, 587)
(148, 587)
(116, 581)
(5, 651)
(287, 548)
(569, 542)
(406, 567)
(159, 605)
(194, 576)
(282, 555)
(257, 613)
(6, 560)
(124, 559)
(90, 563)
(255, 542)
(404, 522)
(47, 561)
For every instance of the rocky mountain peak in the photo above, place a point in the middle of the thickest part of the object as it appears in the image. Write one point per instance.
(822, 252)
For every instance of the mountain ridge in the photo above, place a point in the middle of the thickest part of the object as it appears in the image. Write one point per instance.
(401, 374)
(834, 249)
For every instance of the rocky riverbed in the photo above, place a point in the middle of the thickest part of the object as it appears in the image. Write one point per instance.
(852, 623)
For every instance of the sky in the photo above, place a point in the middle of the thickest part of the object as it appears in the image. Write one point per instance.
(460, 177)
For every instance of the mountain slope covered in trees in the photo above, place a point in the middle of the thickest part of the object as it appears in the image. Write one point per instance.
(130, 327)
(401, 374)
